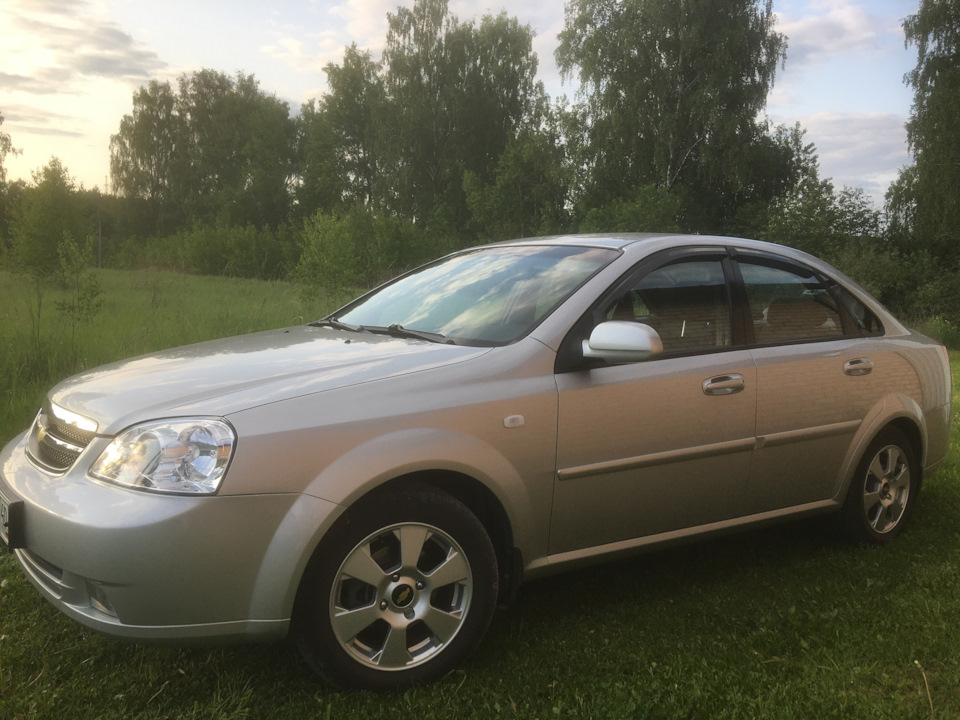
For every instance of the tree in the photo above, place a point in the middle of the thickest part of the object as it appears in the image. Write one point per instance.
(338, 136)
(456, 94)
(925, 200)
(238, 151)
(671, 93)
(653, 209)
(529, 192)
(217, 148)
(6, 148)
(144, 152)
(50, 211)
(50, 232)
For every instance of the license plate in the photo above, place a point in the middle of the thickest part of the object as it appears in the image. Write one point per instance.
(4, 521)
(11, 523)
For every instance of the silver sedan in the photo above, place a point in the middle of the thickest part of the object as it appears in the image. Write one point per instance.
(376, 482)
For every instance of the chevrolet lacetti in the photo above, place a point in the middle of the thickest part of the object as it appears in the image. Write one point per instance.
(376, 482)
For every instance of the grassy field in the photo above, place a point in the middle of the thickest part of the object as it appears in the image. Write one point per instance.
(786, 622)
(141, 311)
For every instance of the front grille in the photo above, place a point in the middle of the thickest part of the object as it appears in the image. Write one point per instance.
(57, 438)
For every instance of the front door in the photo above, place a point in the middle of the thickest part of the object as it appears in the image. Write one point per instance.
(665, 444)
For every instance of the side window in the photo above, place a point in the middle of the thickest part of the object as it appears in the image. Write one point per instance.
(789, 303)
(685, 302)
(865, 321)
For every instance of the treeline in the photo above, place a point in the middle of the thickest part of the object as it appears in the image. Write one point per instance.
(448, 139)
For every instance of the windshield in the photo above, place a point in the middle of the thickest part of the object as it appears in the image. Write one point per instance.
(488, 296)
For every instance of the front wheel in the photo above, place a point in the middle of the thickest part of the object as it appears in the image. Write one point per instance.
(883, 490)
(400, 591)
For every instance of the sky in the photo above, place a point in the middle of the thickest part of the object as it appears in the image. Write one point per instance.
(69, 68)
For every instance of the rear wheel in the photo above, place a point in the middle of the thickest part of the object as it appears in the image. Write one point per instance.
(400, 591)
(883, 490)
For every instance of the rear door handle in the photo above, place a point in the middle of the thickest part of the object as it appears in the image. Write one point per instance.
(858, 366)
(723, 384)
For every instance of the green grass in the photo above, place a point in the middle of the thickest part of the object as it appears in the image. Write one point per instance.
(784, 622)
(141, 311)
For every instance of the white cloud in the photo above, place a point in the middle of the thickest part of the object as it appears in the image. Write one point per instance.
(835, 28)
(366, 21)
(307, 55)
(58, 44)
(858, 150)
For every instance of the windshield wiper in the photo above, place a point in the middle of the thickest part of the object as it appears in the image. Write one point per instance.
(337, 324)
(397, 330)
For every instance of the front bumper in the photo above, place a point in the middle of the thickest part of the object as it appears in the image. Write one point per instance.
(164, 568)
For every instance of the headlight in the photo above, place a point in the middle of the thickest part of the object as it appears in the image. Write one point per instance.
(185, 455)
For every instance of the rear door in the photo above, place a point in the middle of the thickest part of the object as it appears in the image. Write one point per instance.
(819, 372)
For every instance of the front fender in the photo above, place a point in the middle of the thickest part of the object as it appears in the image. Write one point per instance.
(375, 462)
(410, 451)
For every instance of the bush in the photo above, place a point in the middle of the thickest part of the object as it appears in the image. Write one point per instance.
(942, 329)
(652, 210)
(359, 249)
(217, 249)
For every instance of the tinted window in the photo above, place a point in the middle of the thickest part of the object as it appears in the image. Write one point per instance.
(865, 322)
(789, 303)
(685, 302)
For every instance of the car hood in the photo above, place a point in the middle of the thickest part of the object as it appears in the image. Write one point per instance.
(224, 376)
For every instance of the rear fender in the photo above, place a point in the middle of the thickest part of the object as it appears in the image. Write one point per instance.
(889, 409)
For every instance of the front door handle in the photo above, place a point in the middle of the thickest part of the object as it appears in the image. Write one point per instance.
(723, 384)
(858, 366)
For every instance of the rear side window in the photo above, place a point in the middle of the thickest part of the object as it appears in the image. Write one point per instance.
(865, 322)
(789, 303)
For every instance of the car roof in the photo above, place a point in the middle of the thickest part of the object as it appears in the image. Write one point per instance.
(600, 240)
(639, 241)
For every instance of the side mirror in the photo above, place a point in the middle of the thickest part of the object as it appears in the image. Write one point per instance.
(621, 341)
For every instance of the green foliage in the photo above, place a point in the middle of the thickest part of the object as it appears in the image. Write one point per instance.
(217, 248)
(456, 94)
(218, 148)
(6, 148)
(845, 229)
(338, 137)
(529, 192)
(450, 133)
(82, 299)
(235, 251)
(945, 330)
(925, 198)
(51, 218)
(671, 92)
(51, 211)
(143, 153)
(357, 249)
(653, 209)
(815, 218)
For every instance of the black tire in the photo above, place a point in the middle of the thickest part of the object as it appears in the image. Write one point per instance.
(401, 623)
(883, 491)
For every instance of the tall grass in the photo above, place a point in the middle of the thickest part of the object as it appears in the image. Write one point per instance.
(142, 311)
(784, 622)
